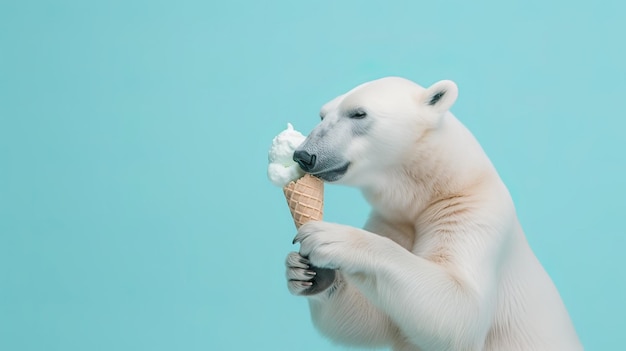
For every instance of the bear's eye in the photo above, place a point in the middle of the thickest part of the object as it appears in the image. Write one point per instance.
(357, 114)
(321, 116)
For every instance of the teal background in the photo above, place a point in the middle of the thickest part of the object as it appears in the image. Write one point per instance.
(135, 213)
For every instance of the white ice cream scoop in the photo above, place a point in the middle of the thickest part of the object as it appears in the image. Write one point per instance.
(282, 168)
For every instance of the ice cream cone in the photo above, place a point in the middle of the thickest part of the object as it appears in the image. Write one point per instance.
(305, 197)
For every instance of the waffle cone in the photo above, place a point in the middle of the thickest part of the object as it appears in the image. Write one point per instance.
(305, 198)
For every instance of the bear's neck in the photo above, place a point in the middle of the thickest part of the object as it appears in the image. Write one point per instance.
(447, 163)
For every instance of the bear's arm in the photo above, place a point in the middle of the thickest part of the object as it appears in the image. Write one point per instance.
(344, 315)
(425, 298)
(430, 304)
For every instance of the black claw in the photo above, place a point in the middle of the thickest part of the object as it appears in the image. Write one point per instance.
(322, 280)
(297, 239)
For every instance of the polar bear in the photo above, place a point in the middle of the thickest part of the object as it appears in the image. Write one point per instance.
(442, 262)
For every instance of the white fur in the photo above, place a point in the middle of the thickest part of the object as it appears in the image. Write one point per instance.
(443, 263)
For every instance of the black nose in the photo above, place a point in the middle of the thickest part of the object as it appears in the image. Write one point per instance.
(304, 159)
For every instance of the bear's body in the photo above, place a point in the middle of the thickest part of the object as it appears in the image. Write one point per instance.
(442, 263)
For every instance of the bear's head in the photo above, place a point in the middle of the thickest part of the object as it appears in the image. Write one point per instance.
(373, 129)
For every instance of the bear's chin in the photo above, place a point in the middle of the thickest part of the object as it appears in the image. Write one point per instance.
(333, 175)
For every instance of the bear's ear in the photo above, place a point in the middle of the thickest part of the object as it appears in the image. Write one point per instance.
(440, 96)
